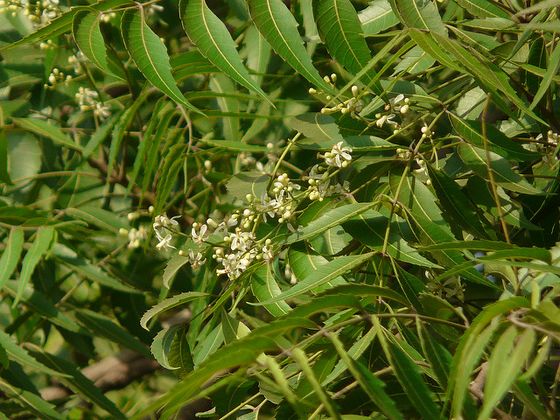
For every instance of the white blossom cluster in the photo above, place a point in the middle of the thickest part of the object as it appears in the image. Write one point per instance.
(57, 77)
(38, 13)
(88, 101)
(164, 228)
(397, 105)
(320, 179)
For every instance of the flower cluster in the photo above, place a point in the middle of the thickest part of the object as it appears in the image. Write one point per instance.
(39, 12)
(56, 77)
(88, 101)
(397, 105)
(164, 228)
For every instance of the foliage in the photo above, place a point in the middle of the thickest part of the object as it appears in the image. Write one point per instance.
(299, 209)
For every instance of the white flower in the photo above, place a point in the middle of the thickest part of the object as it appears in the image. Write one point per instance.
(136, 236)
(165, 242)
(339, 156)
(201, 235)
(196, 259)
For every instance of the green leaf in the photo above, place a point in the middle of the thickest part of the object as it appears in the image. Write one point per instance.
(265, 287)
(99, 136)
(317, 126)
(456, 203)
(44, 129)
(220, 84)
(61, 24)
(505, 364)
(163, 344)
(329, 220)
(77, 382)
(21, 356)
(180, 352)
(150, 55)
(237, 353)
(438, 356)
(42, 305)
(471, 346)
(4, 174)
(409, 377)
(339, 28)
(354, 352)
(551, 71)
(213, 40)
(477, 245)
(31, 401)
(377, 17)
(172, 267)
(40, 246)
(85, 268)
(104, 326)
(498, 142)
(483, 9)
(235, 146)
(96, 216)
(168, 304)
(370, 227)
(275, 22)
(322, 275)
(119, 130)
(10, 256)
(373, 386)
(88, 37)
(532, 253)
(419, 14)
(243, 183)
(476, 159)
(303, 262)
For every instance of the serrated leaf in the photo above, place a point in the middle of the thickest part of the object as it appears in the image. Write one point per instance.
(44, 129)
(105, 327)
(471, 131)
(322, 275)
(339, 28)
(213, 40)
(505, 364)
(265, 287)
(471, 346)
(40, 246)
(303, 262)
(409, 377)
(483, 9)
(455, 202)
(235, 145)
(373, 386)
(317, 126)
(150, 55)
(172, 267)
(476, 159)
(377, 17)
(32, 402)
(419, 14)
(237, 353)
(551, 71)
(243, 183)
(275, 22)
(168, 304)
(329, 220)
(62, 24)
(85, 268)
(162, 345)
(77, 382)
(369, 228)
(88, 37)
(21, 356)
(10, 256)
(96, 216)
